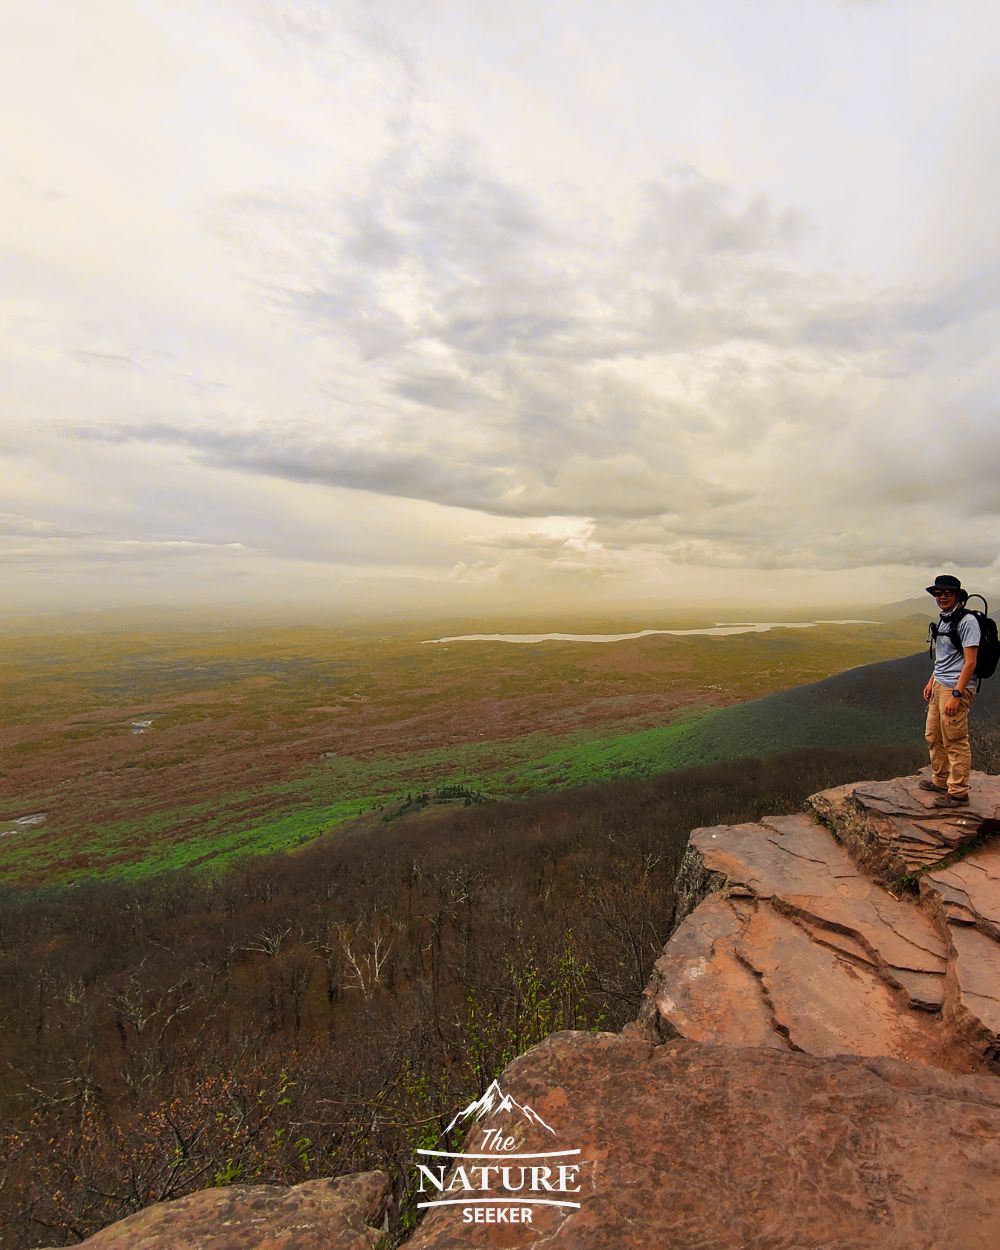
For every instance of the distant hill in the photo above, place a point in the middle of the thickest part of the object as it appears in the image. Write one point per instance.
(902, 609)
(923, 605)
(874, 704)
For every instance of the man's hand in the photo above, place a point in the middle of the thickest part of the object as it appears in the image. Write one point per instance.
(953, 706)
(927, 690)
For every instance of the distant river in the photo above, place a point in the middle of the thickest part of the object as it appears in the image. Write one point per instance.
(714, 631)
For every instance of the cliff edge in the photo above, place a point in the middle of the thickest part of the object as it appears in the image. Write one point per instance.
(867, 926)
(814, 1067)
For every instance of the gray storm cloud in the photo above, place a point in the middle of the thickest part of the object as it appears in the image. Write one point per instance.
(608, 487)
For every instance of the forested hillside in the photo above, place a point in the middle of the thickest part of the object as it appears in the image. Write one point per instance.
(326, 1010)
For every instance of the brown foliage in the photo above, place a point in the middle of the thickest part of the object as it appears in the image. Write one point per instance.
(327, 1011)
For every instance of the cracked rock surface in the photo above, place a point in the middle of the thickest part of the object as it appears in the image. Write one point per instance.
(964, 898)
(811, 1032)
(698, 1147)
(803, 946)
(894, 827)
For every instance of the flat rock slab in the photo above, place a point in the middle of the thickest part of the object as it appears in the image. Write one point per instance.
(704, 989)
(746, 974)
(892, 827)
(826, 1004)
(699, 1147)
(337, 1214)
(798, 950)
(972, 997)
(796, 863)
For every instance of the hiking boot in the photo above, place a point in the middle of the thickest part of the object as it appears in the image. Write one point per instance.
(952, 800)
(929, 785)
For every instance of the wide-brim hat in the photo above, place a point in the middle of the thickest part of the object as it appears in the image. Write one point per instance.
(945, 581)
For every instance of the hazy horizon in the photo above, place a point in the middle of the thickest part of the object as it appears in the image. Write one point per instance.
(421, 309)
(499, 617)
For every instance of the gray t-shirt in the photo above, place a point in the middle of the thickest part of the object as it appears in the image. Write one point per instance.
(948, 663)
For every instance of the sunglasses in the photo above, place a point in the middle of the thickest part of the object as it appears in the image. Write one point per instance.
(943, 594)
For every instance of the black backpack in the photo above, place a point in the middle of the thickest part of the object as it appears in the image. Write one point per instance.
(988, 654)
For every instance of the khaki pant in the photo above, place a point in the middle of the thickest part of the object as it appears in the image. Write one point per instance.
(948, 739)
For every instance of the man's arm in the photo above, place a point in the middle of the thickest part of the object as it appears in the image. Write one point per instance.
(964, 677)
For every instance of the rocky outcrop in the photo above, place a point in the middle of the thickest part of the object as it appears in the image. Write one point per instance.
(822, 1044)
(684, 1145)
(698, 1147)
(342, 1214)
(893, 827)
(802, 948)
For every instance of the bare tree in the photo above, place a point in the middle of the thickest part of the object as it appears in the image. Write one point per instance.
(366, 946)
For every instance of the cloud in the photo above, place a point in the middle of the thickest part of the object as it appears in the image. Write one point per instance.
(13, 526)
(302, 456)
(105, 360)
(684, 374)
(80, 550)
(547, 546)
(853, 550)
(373, 280)
(449, 253)
(696, 229)
(613, 486)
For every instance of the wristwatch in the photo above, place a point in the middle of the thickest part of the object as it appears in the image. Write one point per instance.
(957, 693)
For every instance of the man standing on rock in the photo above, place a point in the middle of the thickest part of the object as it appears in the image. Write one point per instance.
(948, 695)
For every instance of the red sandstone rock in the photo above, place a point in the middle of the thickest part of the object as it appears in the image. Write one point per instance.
(696, 1147)
(317, 1215)
(799, 950)
(970, 889)
(893, 826)
(972, 1001)
(703, 989)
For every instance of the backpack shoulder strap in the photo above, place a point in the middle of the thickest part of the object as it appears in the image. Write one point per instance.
(953, 633)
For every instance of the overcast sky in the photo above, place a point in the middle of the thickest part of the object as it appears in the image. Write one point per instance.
(546, 303)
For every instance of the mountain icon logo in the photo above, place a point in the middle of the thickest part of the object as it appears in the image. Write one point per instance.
(495, 1102)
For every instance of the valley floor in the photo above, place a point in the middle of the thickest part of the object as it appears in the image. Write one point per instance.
(129, 751)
